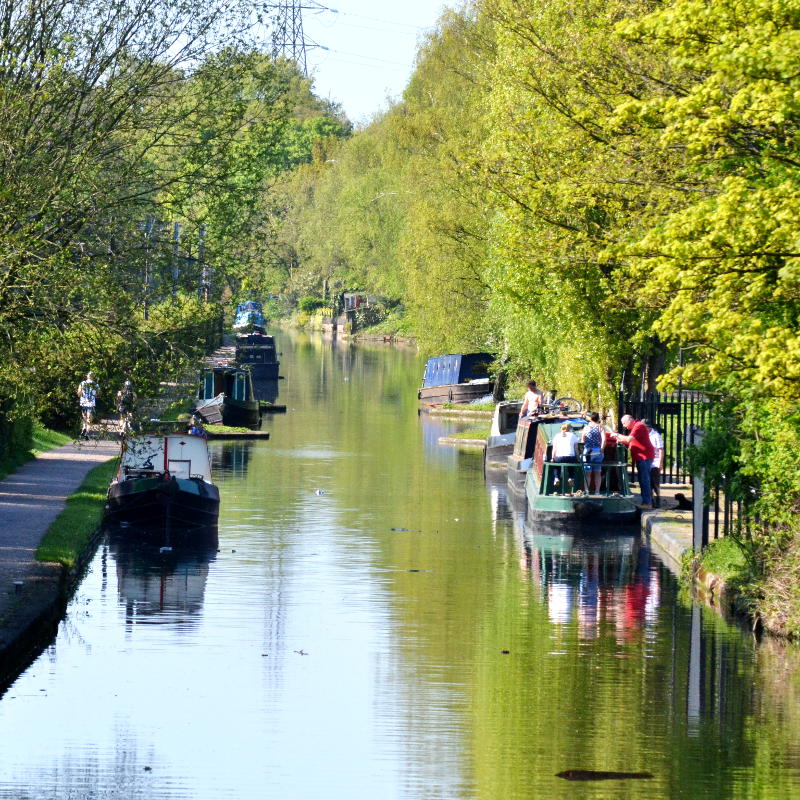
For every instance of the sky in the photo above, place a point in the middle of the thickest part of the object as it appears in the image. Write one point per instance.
(370, 52)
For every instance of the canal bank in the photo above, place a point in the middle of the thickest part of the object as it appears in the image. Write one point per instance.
(33, 593)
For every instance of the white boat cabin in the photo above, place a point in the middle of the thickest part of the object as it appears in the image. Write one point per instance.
(180, 455)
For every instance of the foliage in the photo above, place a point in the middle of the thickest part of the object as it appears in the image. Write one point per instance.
(136, 141)
(724, 265)
(310, 304)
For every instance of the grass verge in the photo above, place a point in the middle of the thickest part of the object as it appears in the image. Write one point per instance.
(487, 406)
(470, 433)
(45, 439)
(725, 557)
(72, 529)
(42, 440)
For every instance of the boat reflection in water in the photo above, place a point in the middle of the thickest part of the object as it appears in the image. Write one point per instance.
(603, 583)
(266, 389)
(160, 585)
(231, 458)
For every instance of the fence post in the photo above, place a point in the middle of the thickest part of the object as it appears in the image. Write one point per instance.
(694, 435)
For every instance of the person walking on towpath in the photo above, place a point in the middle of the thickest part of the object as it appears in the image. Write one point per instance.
(126, 405)
(642, 453)
(87, 399)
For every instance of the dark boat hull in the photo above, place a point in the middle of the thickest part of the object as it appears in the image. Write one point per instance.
(264, 371)
(243, 414)
(158, 504)
(454, 393)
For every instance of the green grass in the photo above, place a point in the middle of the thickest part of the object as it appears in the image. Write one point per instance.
(178, 410)
(67, 537)
(43, 439)
(725, 557)
(227, 429)
(487, 406)
(471, 433)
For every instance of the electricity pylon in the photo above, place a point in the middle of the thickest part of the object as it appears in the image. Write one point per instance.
(288, 38)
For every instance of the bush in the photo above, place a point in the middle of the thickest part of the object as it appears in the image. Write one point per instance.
(309, 304)
(16, 434)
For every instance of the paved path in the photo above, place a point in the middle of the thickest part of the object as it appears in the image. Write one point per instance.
(670, 530)
(30, 499)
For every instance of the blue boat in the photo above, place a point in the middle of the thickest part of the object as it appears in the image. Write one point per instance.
(249, 318)
(456, 378)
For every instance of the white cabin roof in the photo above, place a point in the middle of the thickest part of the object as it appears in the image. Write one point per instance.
(181, 455)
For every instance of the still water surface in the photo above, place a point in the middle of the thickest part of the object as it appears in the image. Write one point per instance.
(379, 622)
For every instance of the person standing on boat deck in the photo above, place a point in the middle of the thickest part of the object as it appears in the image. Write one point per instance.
(532, 402)
(658, 462)
(87, 400)
(594, 443)
(642, 452)
(564, 442)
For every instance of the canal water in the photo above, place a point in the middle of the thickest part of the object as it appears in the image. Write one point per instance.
(378, 621)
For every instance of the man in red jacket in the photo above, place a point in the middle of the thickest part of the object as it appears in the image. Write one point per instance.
(642, 453)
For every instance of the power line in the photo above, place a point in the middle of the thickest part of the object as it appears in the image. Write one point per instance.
(288, 39)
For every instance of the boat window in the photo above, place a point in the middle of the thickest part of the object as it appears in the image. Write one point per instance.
(239, 387)
(208, 385)
(179, 469)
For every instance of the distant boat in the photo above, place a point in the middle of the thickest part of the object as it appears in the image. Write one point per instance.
(163, 482)
(500, 443)
(227, 397)
(257, 351)
(456, 378)
(249, 318)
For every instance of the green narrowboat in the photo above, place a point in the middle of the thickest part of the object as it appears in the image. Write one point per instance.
(227, 396)
(558, 492)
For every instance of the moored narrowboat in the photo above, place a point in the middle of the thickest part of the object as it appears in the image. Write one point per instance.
(227, 397)
(163, 482)
(249, 318)
(456, 378)
(501, 439)
(257, 351)
(521, 458)
(557, 492)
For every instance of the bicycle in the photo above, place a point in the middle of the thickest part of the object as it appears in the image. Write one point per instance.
(562, 406)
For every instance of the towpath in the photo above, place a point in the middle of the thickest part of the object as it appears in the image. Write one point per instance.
(30, 499)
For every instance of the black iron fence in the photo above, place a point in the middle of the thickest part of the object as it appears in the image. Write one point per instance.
(675, 415)
(680, 418)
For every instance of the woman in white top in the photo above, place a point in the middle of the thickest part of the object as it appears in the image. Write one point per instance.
(564, 444)
(563, 449)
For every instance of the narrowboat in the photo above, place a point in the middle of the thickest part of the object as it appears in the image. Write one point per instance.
(163, 482)
(501, 439)
(558, 492)
(227, 397)
(521, 458)
(257, 351)
(456, 378)
(249, 318)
